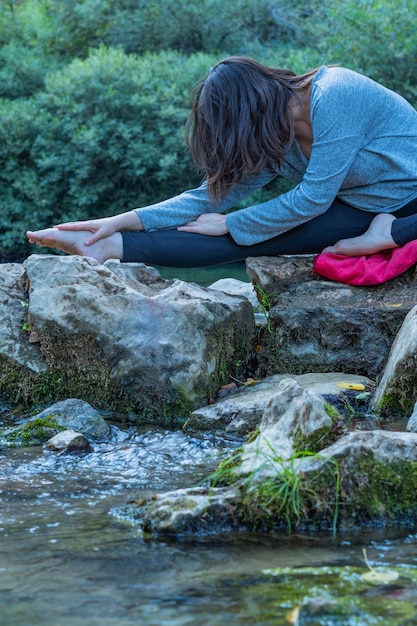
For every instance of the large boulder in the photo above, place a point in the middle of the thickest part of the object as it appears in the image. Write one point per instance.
(298, 472)
(317, 325)
(120, 337)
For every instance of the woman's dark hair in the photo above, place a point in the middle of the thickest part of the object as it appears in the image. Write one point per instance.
(240, 121)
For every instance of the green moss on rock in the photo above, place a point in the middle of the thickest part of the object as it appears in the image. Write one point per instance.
(27, 390)
(35, 432)
(396, 402)
(294, 499)
(323, 437)
(381, 492)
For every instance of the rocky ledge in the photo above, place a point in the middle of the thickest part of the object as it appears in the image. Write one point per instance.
(319, 396)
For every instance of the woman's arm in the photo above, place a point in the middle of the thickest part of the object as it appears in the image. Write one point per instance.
(189, 205)
(192, 211)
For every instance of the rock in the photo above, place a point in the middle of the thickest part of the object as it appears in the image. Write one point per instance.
(378, 477)
(68, 415)
(154, 350)
(189, 511)
(77, 415)
(295, 419)
(396, 393)
(240, 412)
(412, 422)
(236, 287)
(317, 325)
(32, 432)
(138, 276)
(69, 441)
(363, 478)
(15, 349)
(274, 275)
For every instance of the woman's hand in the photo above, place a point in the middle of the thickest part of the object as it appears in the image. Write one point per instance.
(105, 226)
(213, 224)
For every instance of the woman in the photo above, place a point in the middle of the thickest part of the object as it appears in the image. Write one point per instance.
(348, 144)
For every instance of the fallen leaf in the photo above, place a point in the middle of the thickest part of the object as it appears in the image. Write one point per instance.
(395, 305)
(251, 381)
(225, 389)
(378, 576)
(355, 386)
(293, 616)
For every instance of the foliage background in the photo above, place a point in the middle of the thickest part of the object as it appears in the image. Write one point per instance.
(94, 94)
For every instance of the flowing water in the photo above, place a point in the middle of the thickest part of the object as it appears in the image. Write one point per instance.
(68, 559)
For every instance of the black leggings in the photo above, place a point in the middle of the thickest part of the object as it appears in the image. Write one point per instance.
(173, 248)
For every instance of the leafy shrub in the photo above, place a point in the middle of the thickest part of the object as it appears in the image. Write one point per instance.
(141, 26)
(105, 136)
(375, 37)
(25, 57)
(22, 70)
(20, 193)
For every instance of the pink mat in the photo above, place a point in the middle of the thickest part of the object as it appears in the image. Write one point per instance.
(371, 269)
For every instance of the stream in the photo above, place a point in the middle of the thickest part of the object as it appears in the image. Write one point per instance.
(68, 558)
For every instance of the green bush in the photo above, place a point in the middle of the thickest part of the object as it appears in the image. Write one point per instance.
(25, 57)
(20, 193)
(105, 136)
(375, 37)
(22, 70)
(141, 26)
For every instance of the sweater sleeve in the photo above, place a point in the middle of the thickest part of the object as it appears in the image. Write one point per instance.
(188, 205)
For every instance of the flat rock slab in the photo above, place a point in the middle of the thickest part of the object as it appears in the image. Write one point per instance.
(277, 275)
(241, 412)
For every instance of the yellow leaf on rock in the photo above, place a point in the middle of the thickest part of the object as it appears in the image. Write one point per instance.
(377, 577)
(354, 386)
(293, 616)
(395, 305)
(251, 381)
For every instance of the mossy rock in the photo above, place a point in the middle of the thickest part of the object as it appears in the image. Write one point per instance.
(34, 432)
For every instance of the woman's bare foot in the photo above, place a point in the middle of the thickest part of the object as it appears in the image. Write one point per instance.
(73, 242)
(377, 237)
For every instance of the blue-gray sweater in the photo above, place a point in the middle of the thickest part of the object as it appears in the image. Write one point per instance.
(364, 152)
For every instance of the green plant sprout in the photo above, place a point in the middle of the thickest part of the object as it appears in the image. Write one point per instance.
(277, 486)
